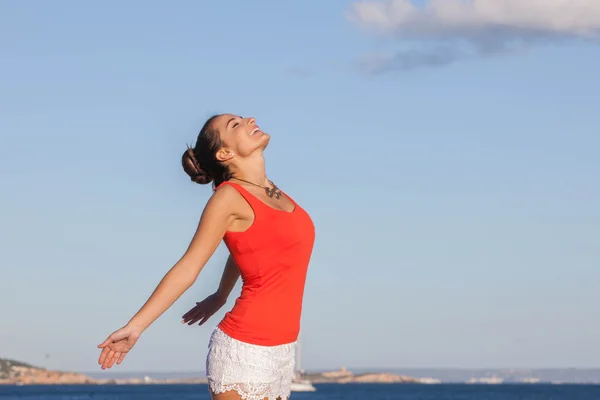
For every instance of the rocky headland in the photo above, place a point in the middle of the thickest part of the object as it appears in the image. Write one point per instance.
(345, 376)
(18, 373)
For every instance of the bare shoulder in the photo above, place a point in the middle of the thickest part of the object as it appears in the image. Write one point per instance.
(225, 193)
(219, 213)
(226, 199)
(222, 201)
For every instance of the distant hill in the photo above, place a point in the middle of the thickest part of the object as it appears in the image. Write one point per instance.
(15, 372)
(6, 366)
(504, 375)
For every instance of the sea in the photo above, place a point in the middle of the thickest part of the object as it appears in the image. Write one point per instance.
(324, 392)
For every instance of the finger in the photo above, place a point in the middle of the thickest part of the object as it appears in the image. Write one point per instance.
(191, 311)
(186, 318)
(191, 316)
(196, 318)
(107, 359)
(206, 317)
(121, 358)
(105, 343)
(103, 355)
(114, 359)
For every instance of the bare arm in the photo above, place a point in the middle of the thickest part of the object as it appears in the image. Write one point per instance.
(206, 308)
(230, 276)
(214, 222)
(218, 214)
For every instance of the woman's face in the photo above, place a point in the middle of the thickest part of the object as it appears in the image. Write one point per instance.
(241, 136)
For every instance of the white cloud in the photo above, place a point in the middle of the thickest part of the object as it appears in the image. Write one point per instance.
(439, 17)
(487, 27)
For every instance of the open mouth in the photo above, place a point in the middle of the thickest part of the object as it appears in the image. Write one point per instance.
(255, 131)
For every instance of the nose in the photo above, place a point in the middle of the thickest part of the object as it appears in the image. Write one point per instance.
(251, 121)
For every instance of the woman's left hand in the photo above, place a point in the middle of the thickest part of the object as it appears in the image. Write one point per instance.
(203, 310)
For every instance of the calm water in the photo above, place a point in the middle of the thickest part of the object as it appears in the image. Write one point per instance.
(329, 392)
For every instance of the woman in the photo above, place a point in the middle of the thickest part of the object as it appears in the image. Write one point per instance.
(270, 239)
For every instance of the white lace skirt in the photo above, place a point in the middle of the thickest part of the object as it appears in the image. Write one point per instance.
(254, 372)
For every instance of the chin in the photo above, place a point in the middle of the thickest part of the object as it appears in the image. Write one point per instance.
(264, 140)
(258, 144)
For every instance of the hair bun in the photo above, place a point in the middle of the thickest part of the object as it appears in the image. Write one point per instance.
(193, 169)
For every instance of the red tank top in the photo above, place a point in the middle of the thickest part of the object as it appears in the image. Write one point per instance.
(273, 256)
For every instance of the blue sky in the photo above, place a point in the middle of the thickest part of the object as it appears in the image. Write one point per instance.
(455, 198)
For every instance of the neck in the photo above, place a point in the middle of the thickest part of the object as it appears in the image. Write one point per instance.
(253, 170)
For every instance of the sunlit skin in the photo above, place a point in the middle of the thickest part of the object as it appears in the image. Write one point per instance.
(244, 144)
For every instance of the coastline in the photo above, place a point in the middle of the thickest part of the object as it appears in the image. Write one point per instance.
(17, 373)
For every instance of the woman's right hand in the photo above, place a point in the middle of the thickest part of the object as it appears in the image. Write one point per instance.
(204, 309)
(117, 345)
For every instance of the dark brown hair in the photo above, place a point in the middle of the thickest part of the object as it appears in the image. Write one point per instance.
(200, 162)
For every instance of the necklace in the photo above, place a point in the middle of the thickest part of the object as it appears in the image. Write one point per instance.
(274, 191)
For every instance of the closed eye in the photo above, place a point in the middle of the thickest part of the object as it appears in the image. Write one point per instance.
(235, 122)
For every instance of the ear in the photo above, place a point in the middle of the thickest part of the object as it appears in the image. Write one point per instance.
(224, 155)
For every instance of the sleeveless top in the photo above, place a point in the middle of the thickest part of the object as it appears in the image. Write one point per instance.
(273, 256)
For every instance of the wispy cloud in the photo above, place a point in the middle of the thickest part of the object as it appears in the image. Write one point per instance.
(445, 31)
(410, 59)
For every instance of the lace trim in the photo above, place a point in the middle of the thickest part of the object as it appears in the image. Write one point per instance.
(251, 391)
(254, 372)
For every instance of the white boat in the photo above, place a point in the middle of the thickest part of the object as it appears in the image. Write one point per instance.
(299, 384)
(302, 385)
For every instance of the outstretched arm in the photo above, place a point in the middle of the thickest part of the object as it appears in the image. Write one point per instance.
(215, 220)
(217, 216)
